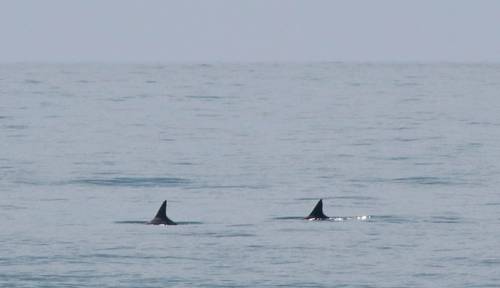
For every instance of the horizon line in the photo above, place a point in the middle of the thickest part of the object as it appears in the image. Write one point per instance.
(218, 62)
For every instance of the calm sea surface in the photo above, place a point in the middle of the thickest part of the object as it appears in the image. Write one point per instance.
(239, 150)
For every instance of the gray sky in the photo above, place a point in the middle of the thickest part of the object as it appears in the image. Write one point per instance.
(251, 30)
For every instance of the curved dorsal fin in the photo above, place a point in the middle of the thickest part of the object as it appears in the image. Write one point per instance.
(161, 216)
(317, 212)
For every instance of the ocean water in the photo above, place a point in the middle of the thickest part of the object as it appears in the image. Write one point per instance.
(241, 152)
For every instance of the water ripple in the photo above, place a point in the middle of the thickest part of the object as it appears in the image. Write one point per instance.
(133, 181)
(204, 97)
(424, 180)
(445, 220)
(394, 219)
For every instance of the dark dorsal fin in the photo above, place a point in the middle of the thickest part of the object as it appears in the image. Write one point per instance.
(161, 216)
(317, 212)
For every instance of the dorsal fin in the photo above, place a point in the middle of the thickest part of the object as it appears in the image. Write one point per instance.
(317, 212)
(162, 212)
(161, 216)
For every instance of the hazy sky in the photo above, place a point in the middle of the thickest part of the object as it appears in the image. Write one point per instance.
(251, 30)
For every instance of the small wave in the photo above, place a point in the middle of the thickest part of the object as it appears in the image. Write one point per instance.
(424, 180)
(144, 222)
(398, 219)
(406, 84)
(354, 84)
(342, 197)
(360, 198)
(492, 204)
(444, 219)
(393, 219)
(183, 163)
(241, 225)
(53, 199)
(204, 97)
(329, 219)
(367, 180)
(12, 207)
(133, 181)
(404, 139)
(437, 163)
(398, 158)
(289, 218)
(189, 222)
(348, 218)
(238, 187)
(32, 81)
(483, 123)
(131, 222)
(411, 99)
(312, 198)
(232, 235)
(115, 256)
(111, 256)
(16, 127)
(491, 261)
